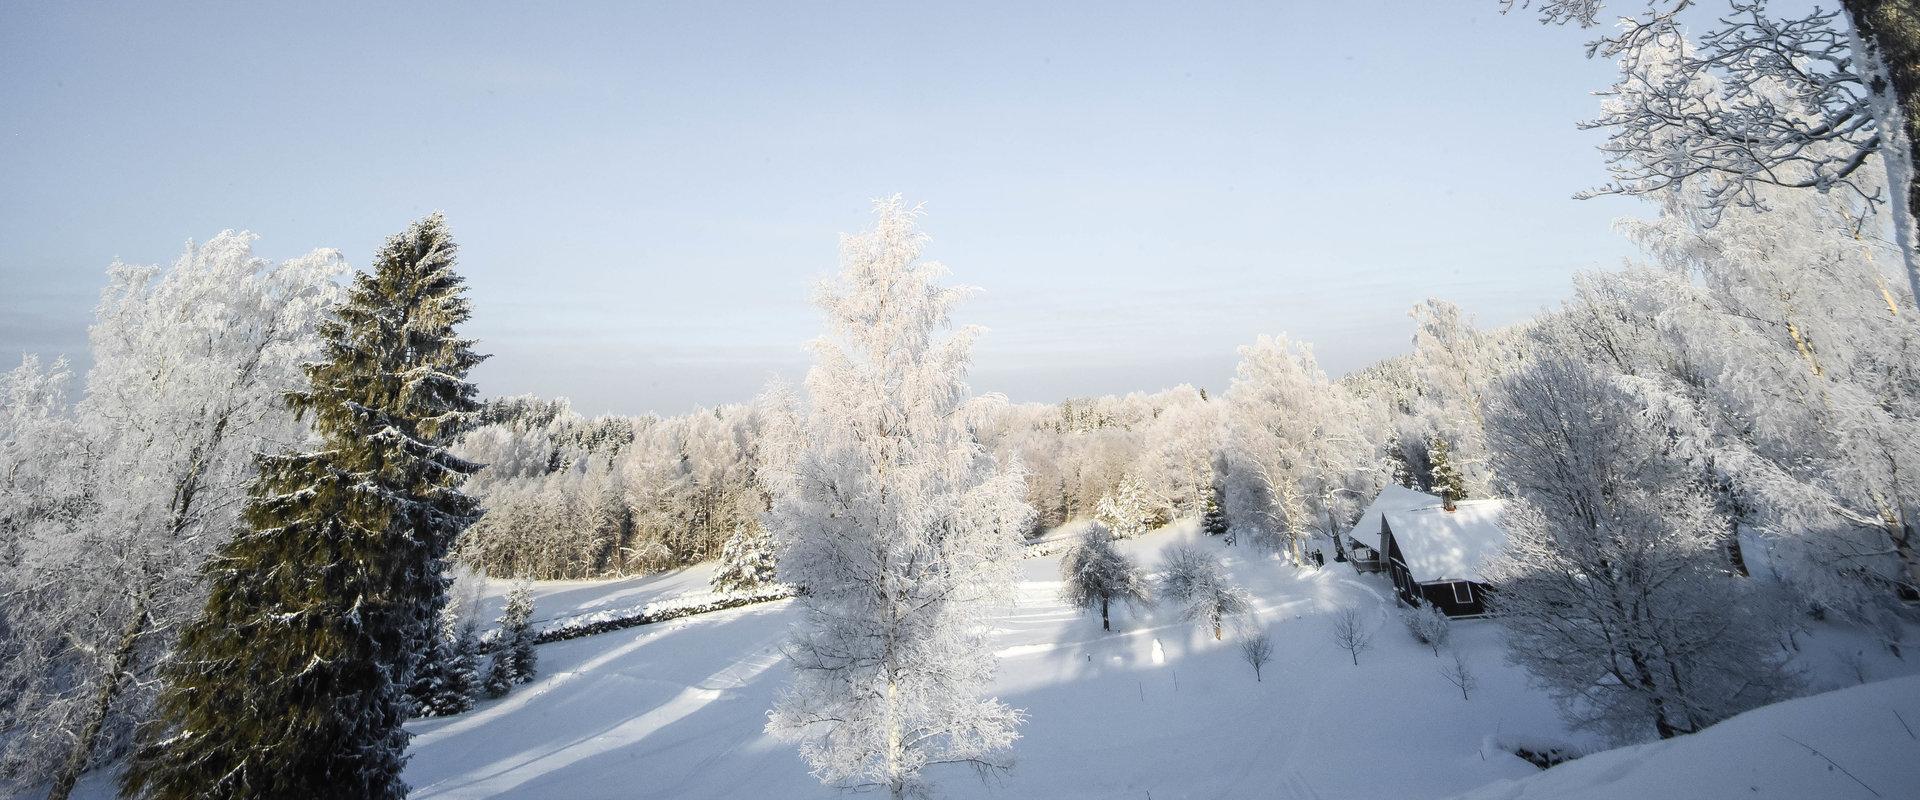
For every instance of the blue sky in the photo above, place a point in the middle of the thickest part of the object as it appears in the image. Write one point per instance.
(644, 192)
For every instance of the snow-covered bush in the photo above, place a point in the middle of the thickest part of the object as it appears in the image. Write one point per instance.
(1428, 625)
(1199, 583)
(603, 621)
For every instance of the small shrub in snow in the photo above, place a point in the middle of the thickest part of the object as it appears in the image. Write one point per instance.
(1257, 649)
(1199, 583)
(1351, 633)
(1460, 675)
(1542, 753)
(513, 653)
(1429, 626)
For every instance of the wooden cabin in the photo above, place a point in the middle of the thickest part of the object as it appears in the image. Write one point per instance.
(1435, 554)
(1363, 540)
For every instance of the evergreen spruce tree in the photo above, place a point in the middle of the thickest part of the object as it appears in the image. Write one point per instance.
(1447, 479)
(430, 672)
(446, 680)
(499, 674)
(1214, 518)
(513, 653)
(517, 634)
(1403, 473)
(746, 560)
(291, 682)
(461, 680)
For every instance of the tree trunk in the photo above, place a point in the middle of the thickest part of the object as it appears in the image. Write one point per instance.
(1889, 34)
(1902, 536)
(96, 719)
(1339, 547)
(181, 505)
(1103, 614)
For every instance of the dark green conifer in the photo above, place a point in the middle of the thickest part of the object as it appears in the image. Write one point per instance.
(292, 682)
(513, 654)
(1214, 517)
(1447, 480)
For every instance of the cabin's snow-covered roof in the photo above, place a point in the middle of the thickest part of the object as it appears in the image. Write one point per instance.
(1438, 544)
(1393, 498)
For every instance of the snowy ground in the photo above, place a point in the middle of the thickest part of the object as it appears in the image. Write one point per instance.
(1856, 742)
(1155, 709)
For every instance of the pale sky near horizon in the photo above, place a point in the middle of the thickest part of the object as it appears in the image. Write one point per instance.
(645, 192)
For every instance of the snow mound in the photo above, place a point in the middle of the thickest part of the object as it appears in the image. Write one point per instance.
(1857, 742)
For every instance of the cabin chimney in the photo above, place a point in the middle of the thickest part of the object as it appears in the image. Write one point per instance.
(1446, 499)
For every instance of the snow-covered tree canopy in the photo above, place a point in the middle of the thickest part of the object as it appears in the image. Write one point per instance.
(1819, 100)
(1612, 585)
(1095, 573)
(110, 510)
(1303, 454)
(290, 682)
(899, 527)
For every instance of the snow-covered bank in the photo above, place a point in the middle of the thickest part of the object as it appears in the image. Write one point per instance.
(1859, 742)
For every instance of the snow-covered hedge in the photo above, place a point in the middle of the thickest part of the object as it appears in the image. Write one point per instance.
(685, 605)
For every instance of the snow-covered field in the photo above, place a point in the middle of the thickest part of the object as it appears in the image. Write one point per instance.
(1155, 709)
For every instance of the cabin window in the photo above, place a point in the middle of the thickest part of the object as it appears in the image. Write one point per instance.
(1462, 592)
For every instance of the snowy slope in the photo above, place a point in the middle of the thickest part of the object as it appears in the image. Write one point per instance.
(1868, 731)
(1158, 708)
(1155, 709)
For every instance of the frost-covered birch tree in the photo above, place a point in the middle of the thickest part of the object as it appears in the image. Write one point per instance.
(1612, 585)
(1806, 101)
(899, 527)
(1773, 344)
(190, 364)
(1809, 386)
(1308, 446)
